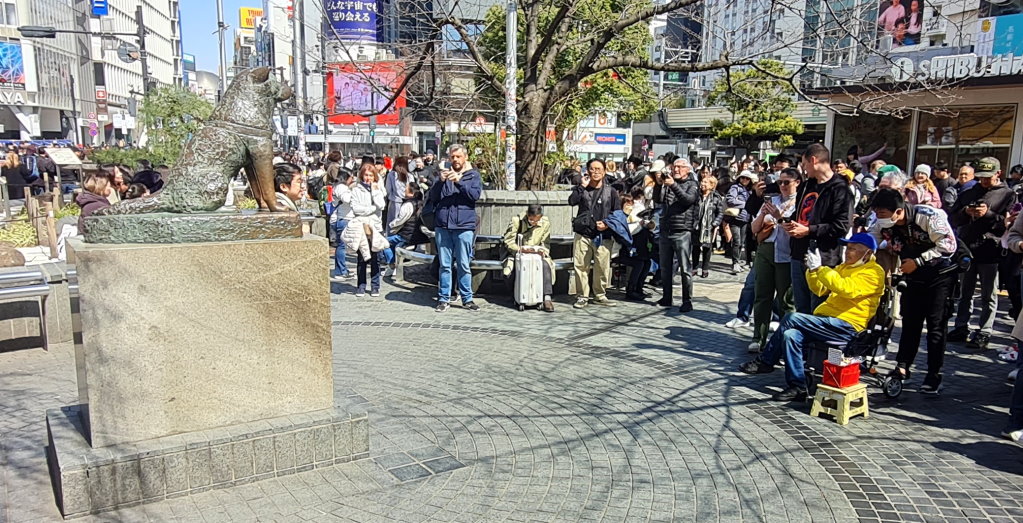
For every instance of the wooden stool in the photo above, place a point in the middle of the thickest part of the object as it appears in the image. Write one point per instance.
(848, 402)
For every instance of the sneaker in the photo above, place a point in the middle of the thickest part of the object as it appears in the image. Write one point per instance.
(442, 307)
(734, 323)
(932, 384)
(980, 341)
(735, 269)
(774, 326)
(341, 278)
(388, 272)
(704, 274)
(687, 306)
(1012, 374)
(791, 394)
(756, 366)
(1012, 355)
(1009, 348)
(753, 347)
(581, 303)
(664, 302)
(360, 292)
(1013, 435)
(471, 306)
(605, 302)
(958, 335)
(375, 293)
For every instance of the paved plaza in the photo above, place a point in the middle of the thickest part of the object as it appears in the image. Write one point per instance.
(612, 414)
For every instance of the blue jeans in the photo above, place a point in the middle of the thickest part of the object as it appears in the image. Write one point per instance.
(797, 330)
(454, 247)
(340, 263)
(747, 297)
(387, 256)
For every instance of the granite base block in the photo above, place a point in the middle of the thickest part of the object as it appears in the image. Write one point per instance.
(89, 480)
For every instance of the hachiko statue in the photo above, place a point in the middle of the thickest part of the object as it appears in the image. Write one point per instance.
(237, 135)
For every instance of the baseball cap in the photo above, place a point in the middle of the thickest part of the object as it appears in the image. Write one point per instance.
(863, 239)
(987, 167)
(923, 168)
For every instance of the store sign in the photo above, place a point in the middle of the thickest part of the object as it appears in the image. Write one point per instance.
(12, 98)
(100, 7)
(609, 139)
(247, 17)
(956, 67)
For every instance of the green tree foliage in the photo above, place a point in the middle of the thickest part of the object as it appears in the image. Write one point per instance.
(566, 71)
(170, 115)
(761, 105)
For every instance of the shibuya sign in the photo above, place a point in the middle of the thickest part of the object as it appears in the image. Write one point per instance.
(12, 98)
(956, 67)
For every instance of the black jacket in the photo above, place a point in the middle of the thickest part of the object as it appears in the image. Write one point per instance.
(680, 203)
(827, 209)
(982, 234)
(599, 202)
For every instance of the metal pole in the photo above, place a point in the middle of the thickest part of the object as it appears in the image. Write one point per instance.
(74, 111)
(323, 70)
(221, 27)
(143, 58)
(510, 106)
(299, 64)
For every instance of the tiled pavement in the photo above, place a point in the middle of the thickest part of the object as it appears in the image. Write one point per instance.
(627, 413)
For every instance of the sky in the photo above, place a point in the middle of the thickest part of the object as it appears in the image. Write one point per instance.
(199, 25)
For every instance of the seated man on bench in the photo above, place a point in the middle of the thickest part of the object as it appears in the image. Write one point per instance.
(535, 230)
(853, 290)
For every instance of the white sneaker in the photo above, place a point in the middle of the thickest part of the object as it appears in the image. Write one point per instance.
(388, 272)
(1015, 435)
(1012, 374)
(754, 346)
(734, 323)
(774, 326)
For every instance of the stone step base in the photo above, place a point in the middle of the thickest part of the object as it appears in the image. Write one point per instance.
(90, 480)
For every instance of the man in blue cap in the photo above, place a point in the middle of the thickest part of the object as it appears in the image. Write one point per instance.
(853, 291)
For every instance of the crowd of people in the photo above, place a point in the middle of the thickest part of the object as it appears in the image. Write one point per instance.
(821, 240)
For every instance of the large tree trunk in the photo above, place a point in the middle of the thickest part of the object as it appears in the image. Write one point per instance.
(531, 147)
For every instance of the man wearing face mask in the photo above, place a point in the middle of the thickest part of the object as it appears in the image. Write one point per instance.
(853, 291)
(919, 236)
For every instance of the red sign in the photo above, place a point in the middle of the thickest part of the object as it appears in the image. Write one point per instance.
(480, 120)
(355, 91)
(101, 93)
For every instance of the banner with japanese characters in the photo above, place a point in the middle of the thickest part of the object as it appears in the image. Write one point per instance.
(351, 20)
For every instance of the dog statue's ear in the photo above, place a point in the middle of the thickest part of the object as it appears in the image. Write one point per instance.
(259, 74)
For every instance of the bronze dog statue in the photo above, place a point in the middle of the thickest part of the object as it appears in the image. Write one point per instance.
(238, 134)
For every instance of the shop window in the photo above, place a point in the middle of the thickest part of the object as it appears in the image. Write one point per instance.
(869, 132)
(968, 134)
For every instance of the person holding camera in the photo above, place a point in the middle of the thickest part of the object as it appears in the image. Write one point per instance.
(592, 244)
(979, 217)
(922, 239)
(678, 195)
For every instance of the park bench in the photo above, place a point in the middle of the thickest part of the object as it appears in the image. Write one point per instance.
(27, 284)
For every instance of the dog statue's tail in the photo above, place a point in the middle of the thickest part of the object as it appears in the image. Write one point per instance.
(142, 205)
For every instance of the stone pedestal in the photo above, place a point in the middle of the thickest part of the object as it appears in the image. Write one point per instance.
(196, 346)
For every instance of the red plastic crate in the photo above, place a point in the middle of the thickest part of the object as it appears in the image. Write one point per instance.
(841, 376)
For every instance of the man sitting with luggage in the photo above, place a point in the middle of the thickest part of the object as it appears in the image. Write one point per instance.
(535, 230)
(853, 290)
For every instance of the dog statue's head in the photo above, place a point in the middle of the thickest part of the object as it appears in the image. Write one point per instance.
(251, 97)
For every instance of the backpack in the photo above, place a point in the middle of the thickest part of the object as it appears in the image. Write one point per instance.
(32, 163)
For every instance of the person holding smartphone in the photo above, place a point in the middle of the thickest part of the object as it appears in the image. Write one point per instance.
(456, 192)
(592, 244)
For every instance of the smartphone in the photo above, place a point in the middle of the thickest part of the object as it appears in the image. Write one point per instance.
(445, 165)
(771, 194)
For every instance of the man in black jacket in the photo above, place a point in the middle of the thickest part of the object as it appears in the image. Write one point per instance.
(823, 216)
(678, 195)
(599, 200)
(979, 218)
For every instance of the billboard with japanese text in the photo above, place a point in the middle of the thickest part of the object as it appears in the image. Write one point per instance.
(358, 90)
(351, 20)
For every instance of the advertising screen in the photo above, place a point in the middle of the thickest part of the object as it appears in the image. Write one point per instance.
(12, 66)
(903, 20)
(358, 90)
(351, 20)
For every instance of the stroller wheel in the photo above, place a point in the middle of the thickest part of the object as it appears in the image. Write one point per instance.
(891, 386)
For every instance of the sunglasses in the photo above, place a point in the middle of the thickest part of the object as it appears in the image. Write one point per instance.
(786, 182)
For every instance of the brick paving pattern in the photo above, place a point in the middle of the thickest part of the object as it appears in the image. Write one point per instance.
(609, 414)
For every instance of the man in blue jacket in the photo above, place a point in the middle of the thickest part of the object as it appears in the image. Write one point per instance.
(456, 191)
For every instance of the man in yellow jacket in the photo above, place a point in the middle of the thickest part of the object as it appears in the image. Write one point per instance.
(853, 291)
